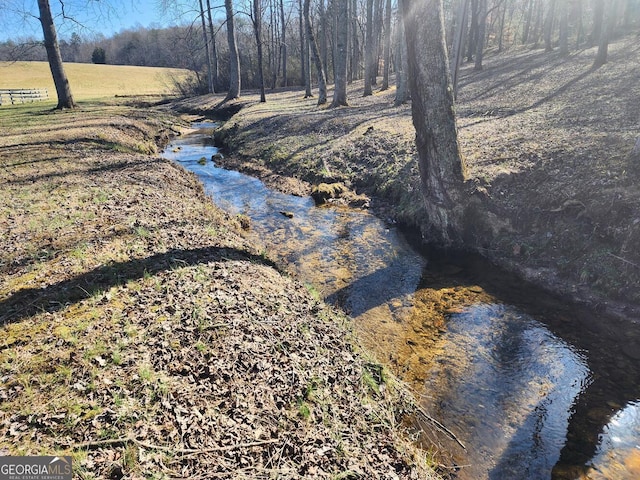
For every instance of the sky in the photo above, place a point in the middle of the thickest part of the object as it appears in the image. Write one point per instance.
(18, 18)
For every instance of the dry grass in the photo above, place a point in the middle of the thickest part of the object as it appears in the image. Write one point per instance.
(93, 82)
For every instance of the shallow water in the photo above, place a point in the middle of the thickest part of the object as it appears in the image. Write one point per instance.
(533, 388)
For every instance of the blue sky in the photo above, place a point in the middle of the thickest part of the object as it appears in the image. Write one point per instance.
(19, 17)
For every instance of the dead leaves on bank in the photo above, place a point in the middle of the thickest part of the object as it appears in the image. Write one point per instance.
(146, 337)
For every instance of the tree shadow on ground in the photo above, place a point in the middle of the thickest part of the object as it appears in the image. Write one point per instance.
(30, 301)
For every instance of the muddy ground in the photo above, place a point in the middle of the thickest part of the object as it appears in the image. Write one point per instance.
(548, 142)
(143, 334)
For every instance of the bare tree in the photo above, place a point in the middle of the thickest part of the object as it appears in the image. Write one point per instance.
(234, 58)
(256, 20)
(206, 47)
(456, 51)
(368, 50)
(214, 50)
(322, 84)
(387, 46)
(283, 44)
(564, 28)
(548, 26)
(442, 169)
(482, 27)
(340, 65)
(605, 36)
(60, 80)
(402, 82)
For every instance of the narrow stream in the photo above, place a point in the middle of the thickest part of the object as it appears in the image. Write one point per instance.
(535, 389)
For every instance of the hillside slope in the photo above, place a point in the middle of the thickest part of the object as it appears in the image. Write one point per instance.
(547, 141)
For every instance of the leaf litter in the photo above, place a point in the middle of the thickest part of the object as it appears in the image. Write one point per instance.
(145, 335)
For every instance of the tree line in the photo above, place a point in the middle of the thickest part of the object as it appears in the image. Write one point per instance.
(284, 43)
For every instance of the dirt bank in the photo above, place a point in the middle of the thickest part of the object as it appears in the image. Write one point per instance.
(547, 141)
(141, 332)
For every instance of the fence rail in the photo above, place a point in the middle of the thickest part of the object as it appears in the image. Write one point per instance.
(11, 96)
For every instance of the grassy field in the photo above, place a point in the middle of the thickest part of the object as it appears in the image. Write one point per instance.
(92, 82)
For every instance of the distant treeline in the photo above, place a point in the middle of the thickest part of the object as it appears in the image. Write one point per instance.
(481, 25)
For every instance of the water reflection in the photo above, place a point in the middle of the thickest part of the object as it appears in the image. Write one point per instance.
(558, 399)
(507, 384)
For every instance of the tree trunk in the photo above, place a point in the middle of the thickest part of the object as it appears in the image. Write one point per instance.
(257, 30)
(63, 90)
(456, 50)
(368, 50)
(607, 33)
(473, 31)
(402, 82)
(580, 28)
(206, 47)
(324, 51)
(214, 50)
(482, 28)
(442, 169)
(354, 63)
(283, 44)
(501, 35)
(377, 36)
(598, 16)
(548, 26)
(527, 23)
(303, 57)
(322, 84)
(538, 25)
(387, 46)
(564, 28)
(340, 66)
(234, 58)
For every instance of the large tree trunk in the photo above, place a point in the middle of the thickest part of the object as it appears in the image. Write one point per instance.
(234, 58)
(65, 99)
(442, 169)
(322, 84)
(340, 66)
(607, 33)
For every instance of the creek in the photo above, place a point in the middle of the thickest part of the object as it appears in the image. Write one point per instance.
(533, 387)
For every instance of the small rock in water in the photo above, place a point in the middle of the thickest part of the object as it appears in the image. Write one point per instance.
(287, 214)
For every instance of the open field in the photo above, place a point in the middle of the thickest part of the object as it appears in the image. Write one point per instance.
(92, 82)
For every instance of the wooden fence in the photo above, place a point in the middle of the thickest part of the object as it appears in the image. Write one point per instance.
(11, 96)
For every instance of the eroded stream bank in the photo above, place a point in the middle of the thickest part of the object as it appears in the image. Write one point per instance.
(534, 388)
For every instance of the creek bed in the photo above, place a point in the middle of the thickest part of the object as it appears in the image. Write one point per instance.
(533, 387)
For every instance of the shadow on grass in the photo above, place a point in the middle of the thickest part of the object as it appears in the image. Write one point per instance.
(30, 301)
